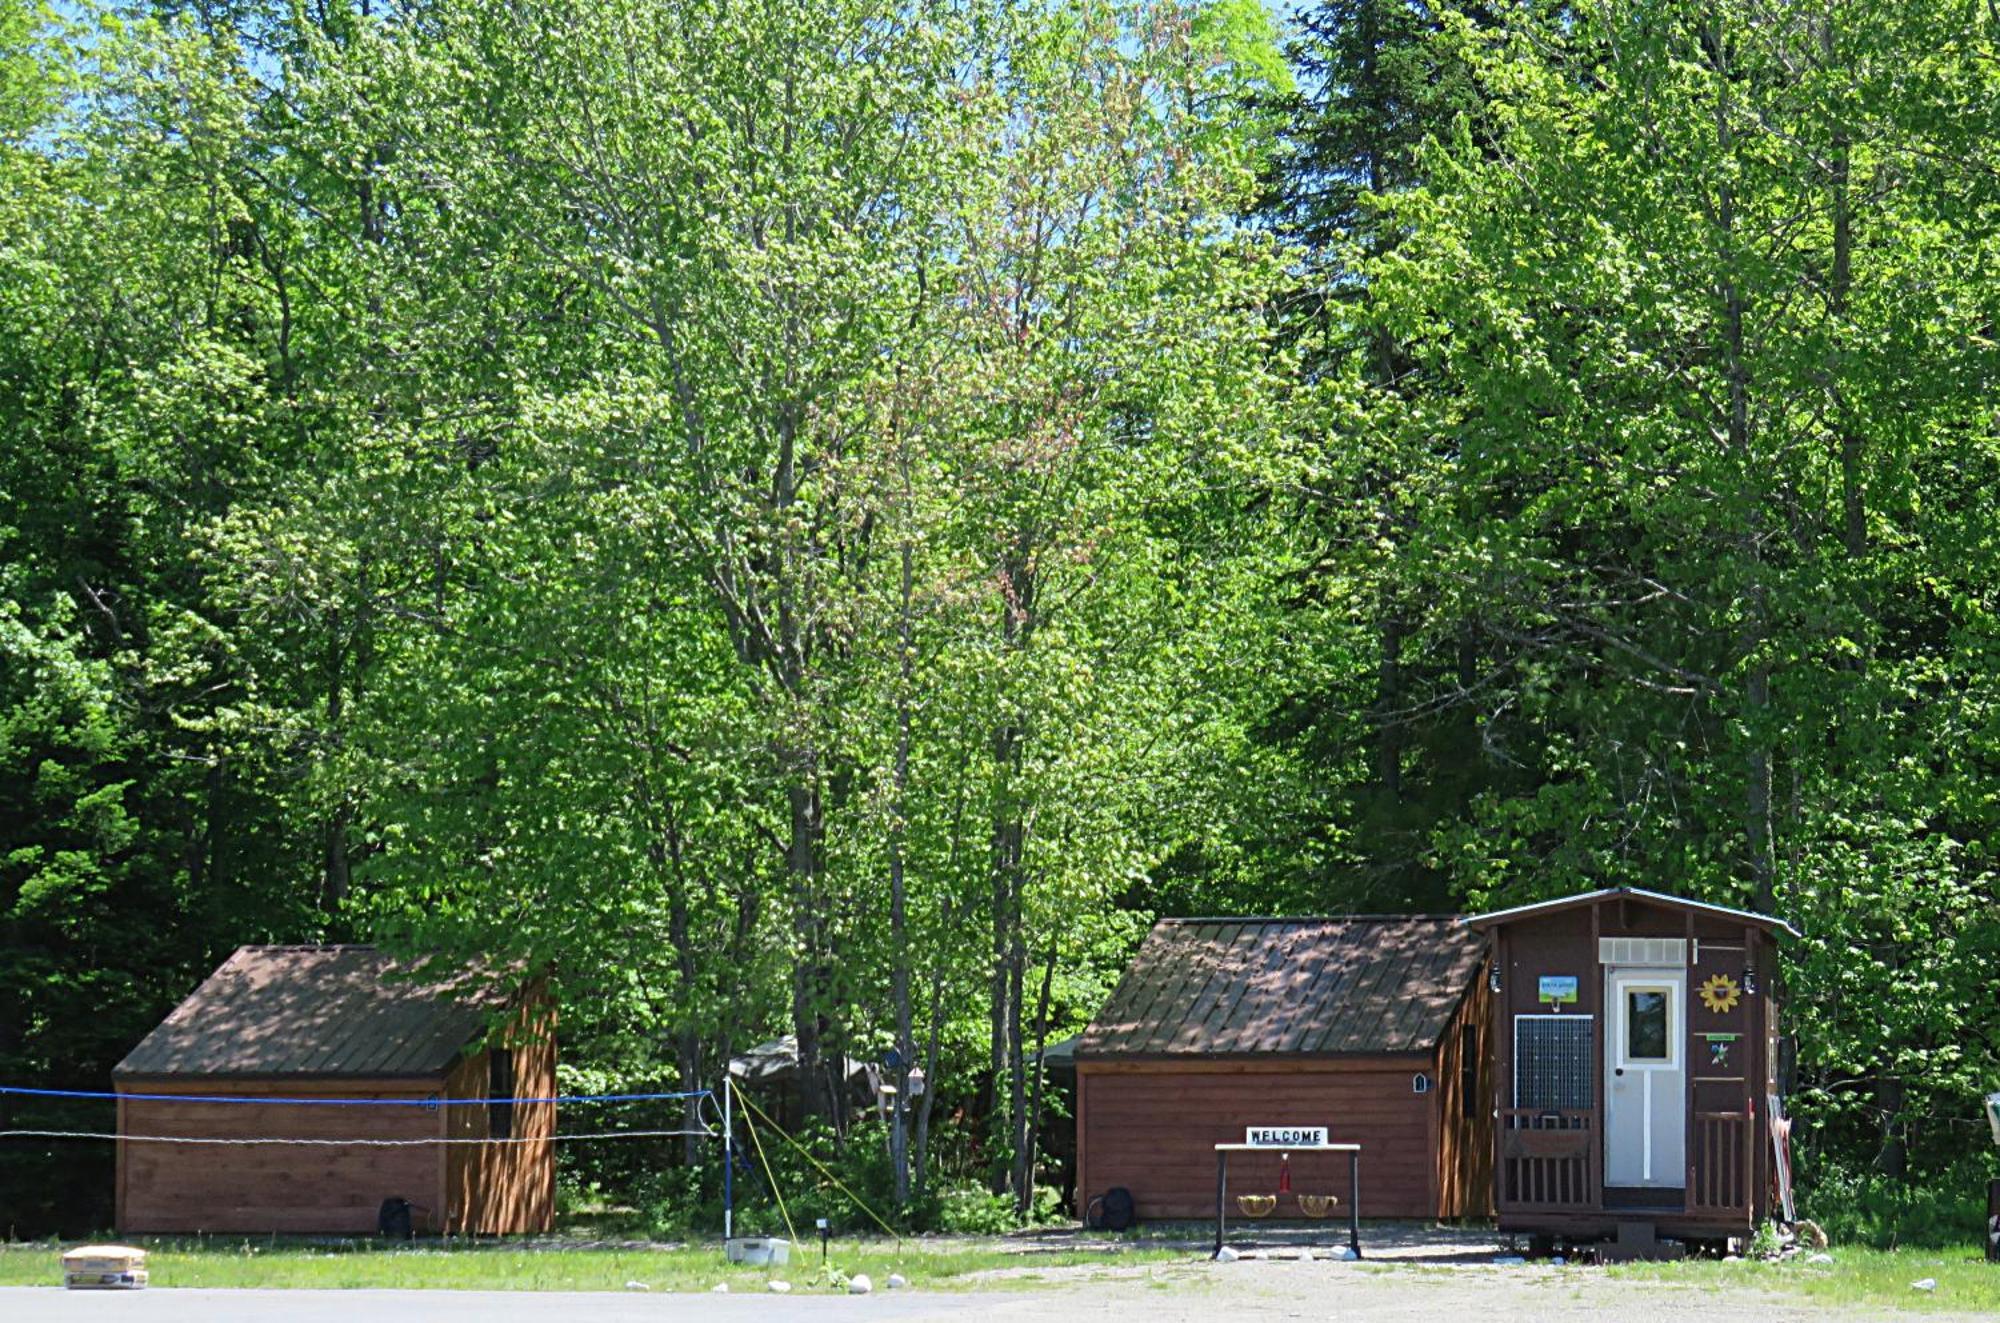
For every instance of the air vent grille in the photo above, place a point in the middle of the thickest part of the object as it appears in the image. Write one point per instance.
(1669, 951)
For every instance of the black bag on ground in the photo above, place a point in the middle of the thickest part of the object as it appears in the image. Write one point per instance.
(1114, 1210)
(394, 1220)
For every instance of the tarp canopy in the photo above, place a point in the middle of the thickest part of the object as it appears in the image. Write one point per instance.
(777, 1062)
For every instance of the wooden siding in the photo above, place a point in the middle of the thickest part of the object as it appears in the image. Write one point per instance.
(1465, 1143)
(1152, 1126)
(337, 1190)
(505, 1189)
(263, 1189)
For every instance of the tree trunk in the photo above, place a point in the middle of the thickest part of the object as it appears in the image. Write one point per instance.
(921, 1172)
(819, 1079)
(1009, 855)
(334, 873)
(899, 932)
(1759, 833)
(1029, 1131)
(687, 1038)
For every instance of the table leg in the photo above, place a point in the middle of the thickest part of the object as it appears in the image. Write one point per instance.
(1221, 1192)
(1354, 1203)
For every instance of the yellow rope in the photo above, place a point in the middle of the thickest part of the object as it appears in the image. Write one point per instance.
(822, 1168)
(771, 1180)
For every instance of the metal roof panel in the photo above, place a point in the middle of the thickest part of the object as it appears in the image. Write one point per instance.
(1352, 985)
(319, 1010)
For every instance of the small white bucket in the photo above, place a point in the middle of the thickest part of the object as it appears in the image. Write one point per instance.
(758, 1251)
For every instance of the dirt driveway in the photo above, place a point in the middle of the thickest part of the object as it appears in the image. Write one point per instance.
(1246, 1292)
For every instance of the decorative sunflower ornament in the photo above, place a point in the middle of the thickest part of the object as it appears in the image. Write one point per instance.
(1720, 993)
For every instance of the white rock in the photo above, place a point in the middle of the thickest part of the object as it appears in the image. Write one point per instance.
(720, 1288)
(1347, 1254)
(1557, 1261)
(897, 1281)
(1927, 1284)
(1504, 1260)
(1819, 1258)
(637, 1286)
(779, 1288)
(1226, 1255)
(859, 1284)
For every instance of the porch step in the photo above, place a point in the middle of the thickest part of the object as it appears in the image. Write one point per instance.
(1644, 1199)
(1638, 1240)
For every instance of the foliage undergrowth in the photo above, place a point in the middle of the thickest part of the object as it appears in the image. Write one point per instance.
(1866, 1208)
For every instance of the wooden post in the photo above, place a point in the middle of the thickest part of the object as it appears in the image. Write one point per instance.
(1221, 1193)
(1354, 1203)
(1691, 1129)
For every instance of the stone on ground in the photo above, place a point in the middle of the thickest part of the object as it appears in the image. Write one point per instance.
(859, 1284)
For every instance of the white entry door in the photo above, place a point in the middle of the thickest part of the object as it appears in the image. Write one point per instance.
(1645, 1096)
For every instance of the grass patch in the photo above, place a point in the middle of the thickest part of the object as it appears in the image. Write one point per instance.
(361, 1264)
(1966, 1283)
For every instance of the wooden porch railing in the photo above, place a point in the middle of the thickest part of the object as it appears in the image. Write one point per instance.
(1550, 1161)
(1720, 1166)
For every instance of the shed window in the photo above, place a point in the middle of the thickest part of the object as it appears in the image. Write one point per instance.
(500, 1093)
(1555, 1057)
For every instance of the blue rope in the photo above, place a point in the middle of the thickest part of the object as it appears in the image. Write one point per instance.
(351, 1102)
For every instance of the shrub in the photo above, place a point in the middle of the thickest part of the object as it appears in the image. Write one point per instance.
(1867, 1208)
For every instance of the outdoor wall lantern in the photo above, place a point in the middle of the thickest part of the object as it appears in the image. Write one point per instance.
(1749, 981)
(1493, 980)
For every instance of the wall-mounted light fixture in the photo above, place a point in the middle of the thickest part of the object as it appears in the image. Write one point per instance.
(1749, 981)
(1493, 980)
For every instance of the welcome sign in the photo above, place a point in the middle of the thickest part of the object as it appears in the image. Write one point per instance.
(1285, 1136)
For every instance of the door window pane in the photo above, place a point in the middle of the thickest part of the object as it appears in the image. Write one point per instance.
(1645, 1025)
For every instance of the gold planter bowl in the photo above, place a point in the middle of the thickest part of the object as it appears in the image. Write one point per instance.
(1317, 1205)
(1256, 1205)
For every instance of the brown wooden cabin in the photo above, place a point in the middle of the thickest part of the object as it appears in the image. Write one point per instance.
(339, 1022)
(1635, 1066)
(1373, 1026)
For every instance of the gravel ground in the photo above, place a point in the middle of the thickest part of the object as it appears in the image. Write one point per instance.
(1244, 1292)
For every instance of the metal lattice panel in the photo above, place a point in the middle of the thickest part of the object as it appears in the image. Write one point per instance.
(1555, 1061)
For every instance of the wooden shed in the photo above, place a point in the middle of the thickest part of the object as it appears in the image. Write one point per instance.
(1372, 1026)
(1635, 1045)
(261, 1051)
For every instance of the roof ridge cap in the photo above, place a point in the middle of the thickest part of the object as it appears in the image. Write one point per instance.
(1431, 916)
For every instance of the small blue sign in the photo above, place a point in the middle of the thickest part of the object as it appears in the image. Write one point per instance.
(1558, 989)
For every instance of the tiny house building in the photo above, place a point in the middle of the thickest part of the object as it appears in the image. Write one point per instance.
(273, 1047)
(1373, 1027)
(1635, 1067)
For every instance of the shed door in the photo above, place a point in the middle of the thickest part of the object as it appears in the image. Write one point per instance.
(1645, 1096)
